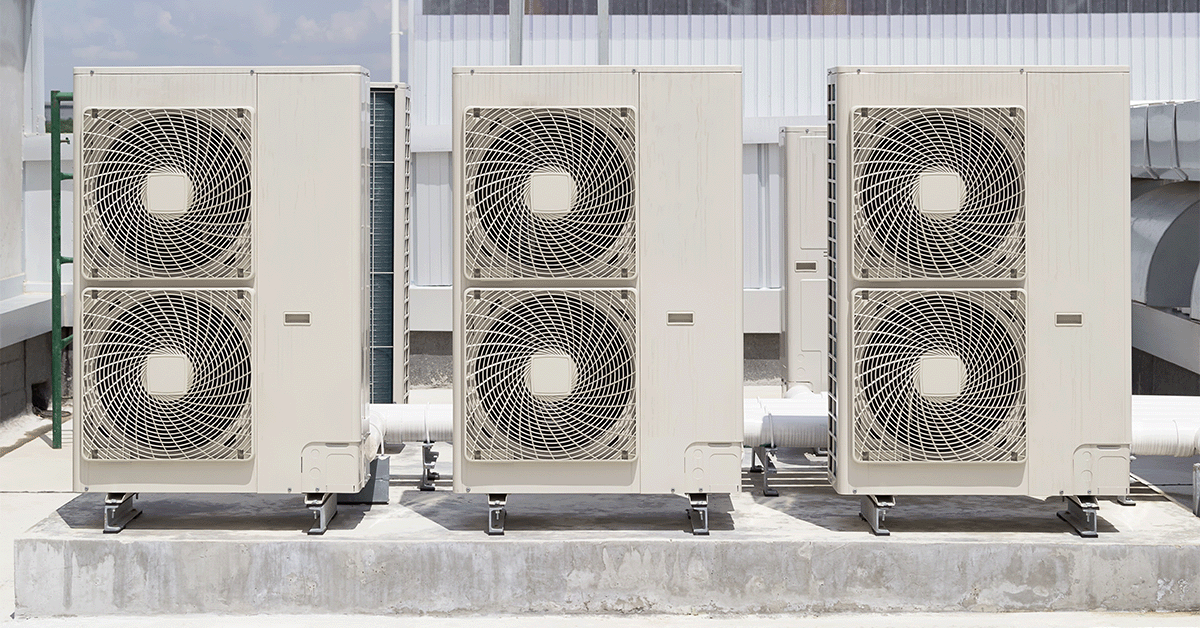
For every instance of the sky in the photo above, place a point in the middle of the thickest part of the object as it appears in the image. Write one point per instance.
(218, 32)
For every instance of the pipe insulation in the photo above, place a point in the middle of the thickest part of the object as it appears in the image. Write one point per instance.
(1162, 425)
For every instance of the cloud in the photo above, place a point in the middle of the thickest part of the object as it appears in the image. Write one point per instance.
(342, 27)
(164, 23)
(101, 53)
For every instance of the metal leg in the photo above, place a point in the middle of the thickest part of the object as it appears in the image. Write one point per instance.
(119, 511)
(873, 509)
(323, 507)
(496, 504)
(1081, 514)
(428, 459)
(698, 513)
(1196, 489)
(376, 489)
(768, 469)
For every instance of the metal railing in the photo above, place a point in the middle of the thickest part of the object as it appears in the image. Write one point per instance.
(57, 260)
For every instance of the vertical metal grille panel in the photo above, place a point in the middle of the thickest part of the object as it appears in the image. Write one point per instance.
(389, 218)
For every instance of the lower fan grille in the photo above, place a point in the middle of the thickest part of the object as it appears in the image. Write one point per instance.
(939, 375)
(166, 374)
(550, 375)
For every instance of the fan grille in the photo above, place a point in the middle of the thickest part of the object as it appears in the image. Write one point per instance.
(505, 148)
(123, 330)
(897, 333)
(975, 155)
(209, 234)
(505, 332)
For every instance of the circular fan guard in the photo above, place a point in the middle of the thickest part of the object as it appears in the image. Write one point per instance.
(505, 329)
(121, 420)
(122, 148)
(595, 147)
(894, 330)
(894, 147)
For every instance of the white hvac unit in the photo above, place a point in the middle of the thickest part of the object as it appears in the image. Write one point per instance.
(803, 344)
(598, 282)
(221, 312)
(978, 284)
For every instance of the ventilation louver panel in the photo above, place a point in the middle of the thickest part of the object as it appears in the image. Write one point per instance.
(939, 375)
(550, 374)
(166, 193)
(939, 192)
(166, 374)
(550, 192)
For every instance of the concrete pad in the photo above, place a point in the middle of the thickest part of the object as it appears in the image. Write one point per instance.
(803, 552)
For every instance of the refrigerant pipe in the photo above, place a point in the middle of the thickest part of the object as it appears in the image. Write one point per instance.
(1162, 426)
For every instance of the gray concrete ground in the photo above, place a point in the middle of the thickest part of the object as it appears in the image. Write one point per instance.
(800, 549)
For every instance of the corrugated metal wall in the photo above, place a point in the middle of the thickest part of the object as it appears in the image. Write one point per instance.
(784, 59)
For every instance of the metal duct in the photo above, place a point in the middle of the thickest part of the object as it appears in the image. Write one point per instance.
(1164, 247)
(1196, 295)
(1162, 142)
(1139, 149)
(1162, 425)
(1138, 187)
(1187, 132)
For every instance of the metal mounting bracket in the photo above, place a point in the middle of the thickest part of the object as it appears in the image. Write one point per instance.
(323, 506)
(1081, 514)
(428, 460)
(496, 505)
(761, 453)
(698, 513)
(873, 509)
(119, 511)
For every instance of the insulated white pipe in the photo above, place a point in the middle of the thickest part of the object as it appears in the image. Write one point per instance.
(395, 41)
(1162, 426)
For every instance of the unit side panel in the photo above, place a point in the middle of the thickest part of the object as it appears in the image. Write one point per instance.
(805, 319)
(691, 235)
(1079, 375)
(311, 154)
(233, 89)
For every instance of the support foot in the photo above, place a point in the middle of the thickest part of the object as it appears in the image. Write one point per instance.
(376, 489)
(323, 506)
(698, 513)
(428, 460)
(873, 509)
(762, 454)
(1081, 514)
(119, 511)
(496, 505)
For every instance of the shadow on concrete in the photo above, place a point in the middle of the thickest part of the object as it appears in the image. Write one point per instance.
(537, 512)
(174, 511)
(805, 493)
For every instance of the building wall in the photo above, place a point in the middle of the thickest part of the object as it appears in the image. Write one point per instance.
(784, 56)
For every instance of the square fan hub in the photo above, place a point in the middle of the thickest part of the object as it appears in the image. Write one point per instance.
(167, 375)
(551, 376)
(551, 194)
(168, 194)
(940, 376)
(939, 194)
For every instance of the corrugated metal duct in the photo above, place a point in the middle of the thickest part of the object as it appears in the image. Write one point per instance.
(1165, 247)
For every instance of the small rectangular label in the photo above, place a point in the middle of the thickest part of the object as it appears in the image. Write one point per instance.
(679, 318)
(296, 318)
(806, 267)
(1068, 320)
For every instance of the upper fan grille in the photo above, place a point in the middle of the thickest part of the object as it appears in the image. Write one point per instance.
(592, 414)
(588, 157)
(166, 193)
(207, 415)
(969, 406)
(939, 192)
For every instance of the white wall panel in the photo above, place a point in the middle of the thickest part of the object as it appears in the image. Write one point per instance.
(784, 59)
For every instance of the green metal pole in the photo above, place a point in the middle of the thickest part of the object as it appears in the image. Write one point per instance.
(57, 342)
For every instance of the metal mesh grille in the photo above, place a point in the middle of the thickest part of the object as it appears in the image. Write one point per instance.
(894, 149)
(505, 330)
(505, 148)
(122, 331)
(895, 331)
(122, 149)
